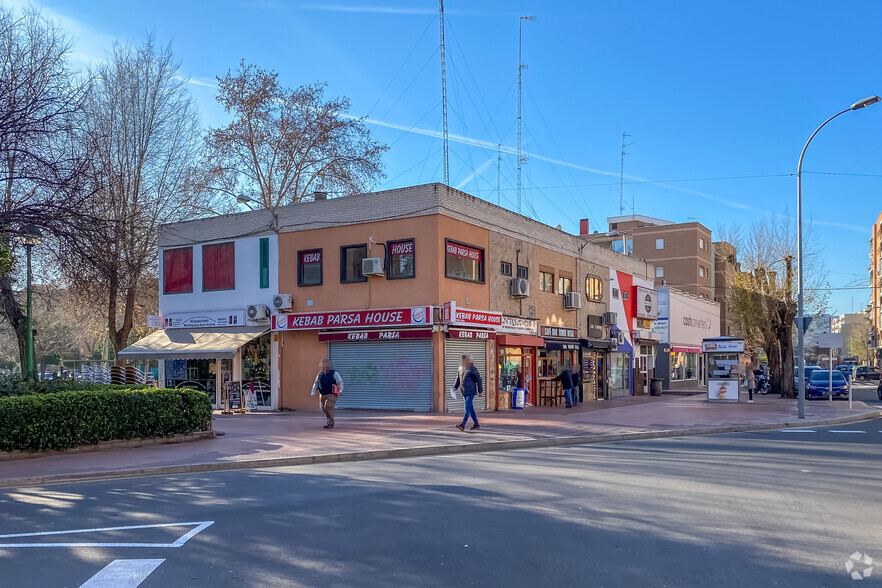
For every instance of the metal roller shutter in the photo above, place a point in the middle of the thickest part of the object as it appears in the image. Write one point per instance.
(453, 352)
(386, 375)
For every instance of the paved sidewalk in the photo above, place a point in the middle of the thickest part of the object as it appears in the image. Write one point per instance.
(292, 438)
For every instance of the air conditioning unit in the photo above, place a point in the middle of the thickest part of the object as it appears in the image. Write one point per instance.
(572, 300)
(610, 318)
(257, 313)
(372, 266)
(619, 338)
(520, 287)
(283, 302)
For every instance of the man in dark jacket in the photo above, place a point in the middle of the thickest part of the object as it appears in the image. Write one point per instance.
(566, 380)
(469, 381)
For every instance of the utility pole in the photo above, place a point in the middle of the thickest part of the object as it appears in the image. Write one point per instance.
(622, 175)
(521, 68)
(499, 174)
(444, 150)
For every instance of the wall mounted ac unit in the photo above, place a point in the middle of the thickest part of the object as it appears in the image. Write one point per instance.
(257, 313)
(372, 266)
(519, 287)
(610, 318)
(283, 302)
(572, 300)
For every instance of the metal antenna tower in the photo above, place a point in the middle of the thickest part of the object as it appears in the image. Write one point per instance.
(499, 174)
(521, 68)
(444, 150)
(622, 175)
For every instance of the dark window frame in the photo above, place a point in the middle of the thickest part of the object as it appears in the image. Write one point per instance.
(343, 249)
(264, 262)
(599, 296)
(388, 248)
(224, 243)
(526, 273)
(542, 275)
(482, 265)
(502, 268)
(321, 264)
(165, 282)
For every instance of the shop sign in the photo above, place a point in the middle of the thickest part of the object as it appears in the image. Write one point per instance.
(338, 319)
(450, 314)
(558, 332)
(471, 335)
(389, 335)
(154, 322)
(661, 327)
(595, 326)
(402, 248)
(463, 251)
(204, 319)
(519, 325)
(647, 303)
(736, 345)
(310, 257)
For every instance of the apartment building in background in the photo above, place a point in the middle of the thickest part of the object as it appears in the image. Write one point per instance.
(876, 289)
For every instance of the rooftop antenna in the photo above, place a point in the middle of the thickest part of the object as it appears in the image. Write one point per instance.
(498, 174)
(622, 175)
(444, 149)
(521, 67)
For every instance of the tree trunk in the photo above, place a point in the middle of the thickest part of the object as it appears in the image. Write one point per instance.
(120, 337)
(788, 388)
(17, 319)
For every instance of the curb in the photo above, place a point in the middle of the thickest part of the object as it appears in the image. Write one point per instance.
(107, 445)
(433, 450)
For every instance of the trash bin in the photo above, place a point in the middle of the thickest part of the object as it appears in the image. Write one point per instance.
(518, 398)
(655, 387)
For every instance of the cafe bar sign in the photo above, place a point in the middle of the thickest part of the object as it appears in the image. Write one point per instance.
(519, 325)
(204, 319)
(558, 332)
(487, 319)
(353, 319)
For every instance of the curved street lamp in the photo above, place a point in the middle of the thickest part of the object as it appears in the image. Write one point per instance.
(29, 236)
(250, 202)
(800, 310)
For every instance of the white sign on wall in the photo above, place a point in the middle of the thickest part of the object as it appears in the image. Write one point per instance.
(830, 341)
(204, 319)
(519, 325)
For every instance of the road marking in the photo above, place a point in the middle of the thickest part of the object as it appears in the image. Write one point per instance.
(845, 431)
(123, 573)
(199, 527)
(797, 431)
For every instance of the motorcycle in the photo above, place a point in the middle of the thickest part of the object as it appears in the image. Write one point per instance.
(761, 382)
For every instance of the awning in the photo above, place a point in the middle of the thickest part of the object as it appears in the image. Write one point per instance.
(219, 343)
(592, 343)
(683, 349)
(562, 344)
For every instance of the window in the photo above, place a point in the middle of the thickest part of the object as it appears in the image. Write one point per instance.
(564, 285)
(659, 243)
(659, 271)
(619, 247)
(701, 243)
(546, 281)
(309, 267)
(594, 288)
(505, 268)
(615, 293)
(350, 263)
(523, 272)
(702, 271)
(177, 270)
(264, 263)
(218, 267)
(463, 262)
(625, 295)
(401, 262)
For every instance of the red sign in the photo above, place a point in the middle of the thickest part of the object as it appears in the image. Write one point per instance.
(393, 335)
(389, 317)
(471, 335)
(463, 251)
(311, 256)
(401, 248)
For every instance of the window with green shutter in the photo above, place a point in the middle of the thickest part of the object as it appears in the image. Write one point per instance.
(264, 263)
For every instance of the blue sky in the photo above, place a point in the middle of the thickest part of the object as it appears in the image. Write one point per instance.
(708, 91)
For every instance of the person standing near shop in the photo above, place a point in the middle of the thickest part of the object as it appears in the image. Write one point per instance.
(577, 382)
(566, 381)
(751, 381)
(329, 385)
(469, 381)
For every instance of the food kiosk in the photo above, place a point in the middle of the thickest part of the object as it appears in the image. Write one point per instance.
(722, 356)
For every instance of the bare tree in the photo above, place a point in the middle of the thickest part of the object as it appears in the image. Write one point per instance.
(284, 143)
(145, 136)
(41, 160)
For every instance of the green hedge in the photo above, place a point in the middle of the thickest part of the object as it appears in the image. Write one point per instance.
(14, 385)
(65, 419)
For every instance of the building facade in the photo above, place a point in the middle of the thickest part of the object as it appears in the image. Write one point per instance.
(395, 287)
(684, 321)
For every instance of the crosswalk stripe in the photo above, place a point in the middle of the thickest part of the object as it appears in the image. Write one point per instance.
(123, 573)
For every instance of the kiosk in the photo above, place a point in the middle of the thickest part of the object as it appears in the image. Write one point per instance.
(722, 356)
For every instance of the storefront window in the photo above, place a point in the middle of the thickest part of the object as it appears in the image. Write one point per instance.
(401, 259)
(309, 267)
(684, 366)
(515, 369)
(620, 373)
(464, 262)
(196, 374)
(256, 369)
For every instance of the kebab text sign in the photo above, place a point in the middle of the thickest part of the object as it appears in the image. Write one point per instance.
(349, 319)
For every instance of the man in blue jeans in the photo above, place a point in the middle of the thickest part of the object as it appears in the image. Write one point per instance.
(566, 381)
(469, 381)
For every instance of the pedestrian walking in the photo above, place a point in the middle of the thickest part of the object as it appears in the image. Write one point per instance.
(577, 384)
(751, 381)
(566, 381)
(329, 385)
(469, 381)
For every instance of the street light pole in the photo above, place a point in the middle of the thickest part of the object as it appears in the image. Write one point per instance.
(800, 309)
(30, 326)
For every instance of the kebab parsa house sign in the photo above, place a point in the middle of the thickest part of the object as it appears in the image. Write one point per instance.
(353, 319)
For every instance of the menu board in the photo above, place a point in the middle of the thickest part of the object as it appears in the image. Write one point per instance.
(234, 395)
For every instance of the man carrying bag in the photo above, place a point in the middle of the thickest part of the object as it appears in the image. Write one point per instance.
(329, 384)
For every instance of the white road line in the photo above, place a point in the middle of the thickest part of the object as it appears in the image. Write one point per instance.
(199, 527)
(123, 573)
(845, 431)
(796, 431)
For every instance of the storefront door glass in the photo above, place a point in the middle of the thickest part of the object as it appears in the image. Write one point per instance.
(196, 374)
(256, 370)
(516, 370)
(620, 374)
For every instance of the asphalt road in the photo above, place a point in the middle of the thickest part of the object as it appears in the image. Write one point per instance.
(772, 508)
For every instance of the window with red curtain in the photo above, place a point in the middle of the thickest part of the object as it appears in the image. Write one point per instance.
(219, 267)
(177, 270)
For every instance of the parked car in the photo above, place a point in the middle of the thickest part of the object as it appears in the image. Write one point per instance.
(879, 391)
(864, 373)
(808, 372)
(846, 370)
(818, 384)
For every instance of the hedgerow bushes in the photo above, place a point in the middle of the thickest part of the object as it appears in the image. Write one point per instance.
(69, 418)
